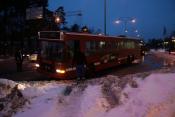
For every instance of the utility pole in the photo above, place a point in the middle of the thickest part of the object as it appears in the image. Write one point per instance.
(105, 17)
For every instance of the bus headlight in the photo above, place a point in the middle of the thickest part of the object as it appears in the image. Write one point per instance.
(60, 71)
(37, 65)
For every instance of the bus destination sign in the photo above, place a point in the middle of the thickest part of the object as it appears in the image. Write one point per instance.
(49, 35)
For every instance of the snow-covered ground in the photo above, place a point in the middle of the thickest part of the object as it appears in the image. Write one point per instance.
(110, 96)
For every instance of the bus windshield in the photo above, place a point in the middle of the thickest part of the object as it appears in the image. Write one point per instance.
(52, 50)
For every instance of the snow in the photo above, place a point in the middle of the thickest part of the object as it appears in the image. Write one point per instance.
(43, 100)
(169, 59)
(163, 54)
(5, 87)
(153, 96)
(7, 82)
(92, 103)
(158, 50)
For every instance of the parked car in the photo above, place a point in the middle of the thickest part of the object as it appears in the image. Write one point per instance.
(26, 54)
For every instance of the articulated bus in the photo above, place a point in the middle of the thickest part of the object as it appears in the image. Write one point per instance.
(58, 48)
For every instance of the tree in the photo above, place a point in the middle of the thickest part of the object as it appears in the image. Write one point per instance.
(14, 19)
(172, 33)
(60, 13)
(164, 31)
(155, 43)
(75, 28)
(85, 29)
(98, 31)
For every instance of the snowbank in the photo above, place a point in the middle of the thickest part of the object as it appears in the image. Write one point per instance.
(155, 97)
(152, 96)
(158, 50)
(163, 54)
(11, 99)
(169, 59)
(5, 87)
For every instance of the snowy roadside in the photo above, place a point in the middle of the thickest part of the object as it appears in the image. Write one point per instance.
(110, 96)
(169, 58)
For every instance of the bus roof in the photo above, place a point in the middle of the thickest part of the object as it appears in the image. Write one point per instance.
(98, 37)
(79, 36)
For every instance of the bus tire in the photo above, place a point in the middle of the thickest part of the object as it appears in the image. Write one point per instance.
(133, 58)
(129, 59)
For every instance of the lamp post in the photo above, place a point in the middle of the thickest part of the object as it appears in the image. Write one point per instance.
(126, 20)
(60, 17)
(105, 9)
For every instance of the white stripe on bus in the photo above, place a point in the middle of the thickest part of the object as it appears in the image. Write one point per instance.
(97, 63)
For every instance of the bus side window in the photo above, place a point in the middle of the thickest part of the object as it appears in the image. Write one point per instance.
(111, 46)
(70, 48)
(120, 45)
(128, 45)
(116, 45)
(132, 45)
(91, 47)
(102, 45)
(136, 45)
(87, 48)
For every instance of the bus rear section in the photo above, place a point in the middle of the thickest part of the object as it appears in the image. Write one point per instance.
(109, 52)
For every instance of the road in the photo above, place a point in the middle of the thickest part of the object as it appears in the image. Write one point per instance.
(8, 69)
(149, 63)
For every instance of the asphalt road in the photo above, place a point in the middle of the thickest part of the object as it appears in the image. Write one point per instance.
(8, 69)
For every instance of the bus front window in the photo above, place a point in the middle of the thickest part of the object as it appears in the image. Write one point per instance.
(52, 50)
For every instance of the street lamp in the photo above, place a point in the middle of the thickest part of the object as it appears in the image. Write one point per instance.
(60, 17)
(125, 20)
(126, 31)
(136, 31)
(57, 20)
(117, 22)
(138, 35)
(133, 20)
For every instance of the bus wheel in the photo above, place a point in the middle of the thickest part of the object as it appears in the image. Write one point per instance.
(133, 58)
(129, 59)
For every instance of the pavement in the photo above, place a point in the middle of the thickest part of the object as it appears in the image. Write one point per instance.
(8, 70)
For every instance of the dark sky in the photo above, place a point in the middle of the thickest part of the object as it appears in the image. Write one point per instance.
(151, 15)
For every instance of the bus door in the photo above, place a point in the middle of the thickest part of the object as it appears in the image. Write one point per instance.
(76, 46)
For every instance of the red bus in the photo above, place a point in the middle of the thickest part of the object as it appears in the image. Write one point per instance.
(58, 48)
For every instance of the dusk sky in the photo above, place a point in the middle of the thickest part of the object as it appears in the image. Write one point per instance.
(151, 15)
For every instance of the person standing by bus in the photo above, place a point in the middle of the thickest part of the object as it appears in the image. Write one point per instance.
(19, 60)
(80, 61)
